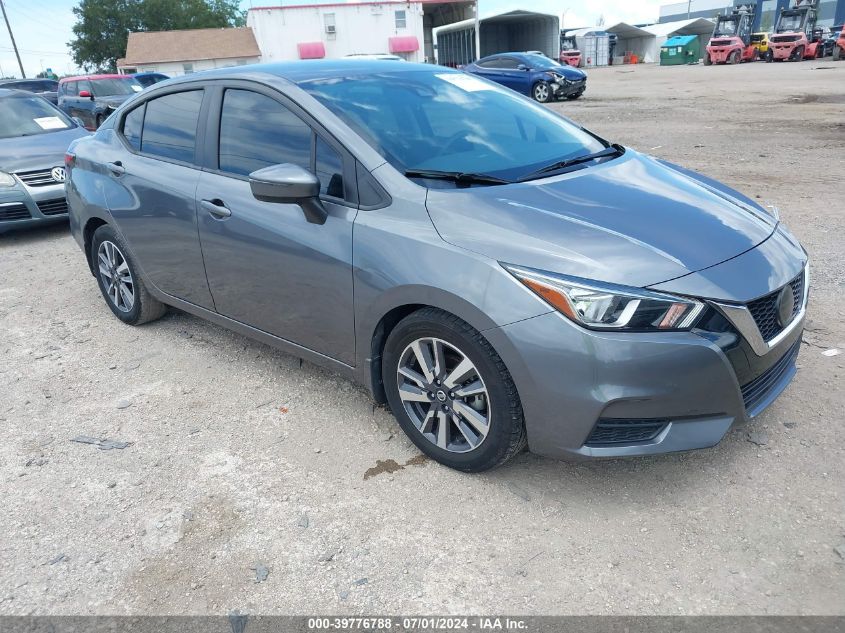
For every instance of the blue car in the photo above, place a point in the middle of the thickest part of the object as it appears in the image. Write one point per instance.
(532, 74)
(148, 79)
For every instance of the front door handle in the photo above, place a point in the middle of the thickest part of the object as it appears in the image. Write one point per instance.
(217, 208)
(116, 168)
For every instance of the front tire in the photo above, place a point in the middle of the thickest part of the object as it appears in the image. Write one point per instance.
(451, 392)
(542, 92)
(119, 279)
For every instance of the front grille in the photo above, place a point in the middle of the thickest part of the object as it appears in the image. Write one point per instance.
(38, 178)
(765, 311)
(756, 391)
(53, 207)
(14, 211)
(612, 432)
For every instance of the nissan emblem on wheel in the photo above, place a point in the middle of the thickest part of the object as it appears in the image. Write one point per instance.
(496, 274)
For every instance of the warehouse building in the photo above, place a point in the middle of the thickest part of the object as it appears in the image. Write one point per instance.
(334, 30)
(831, 12)
(641, 44)
(464, 42)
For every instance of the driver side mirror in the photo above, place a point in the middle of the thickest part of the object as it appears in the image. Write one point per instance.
(289, 184)
(85, 94)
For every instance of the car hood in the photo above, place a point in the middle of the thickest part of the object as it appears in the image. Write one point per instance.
(40, 151)
(568, 72)
(114, 100)
(634, 221)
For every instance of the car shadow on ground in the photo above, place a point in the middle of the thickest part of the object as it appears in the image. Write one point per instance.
(17, 237)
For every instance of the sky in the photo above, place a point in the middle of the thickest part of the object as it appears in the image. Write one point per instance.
(42, 28)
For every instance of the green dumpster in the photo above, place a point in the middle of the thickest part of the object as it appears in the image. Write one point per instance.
(681, 49)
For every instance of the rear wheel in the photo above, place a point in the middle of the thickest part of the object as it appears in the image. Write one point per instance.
(707, 60)
(837, 53)
(451, 393)
(542, 92)
(119, 279)
(768, 56)
(734, 57)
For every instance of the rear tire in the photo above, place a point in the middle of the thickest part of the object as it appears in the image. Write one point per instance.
(768, 56)
(734, 58)
(837, 53)
(129, 300)
(707, 60)
(444, 425)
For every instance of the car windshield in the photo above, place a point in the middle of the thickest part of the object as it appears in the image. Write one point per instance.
(112, 87)
(22, 115)
(451, 121)
(541, 62)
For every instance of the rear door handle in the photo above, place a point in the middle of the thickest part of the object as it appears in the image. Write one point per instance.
(216, 208)
(116, 168)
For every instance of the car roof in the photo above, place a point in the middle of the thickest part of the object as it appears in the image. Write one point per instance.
(12, 92)
(305, 70)
(88, 77)
(150, 73)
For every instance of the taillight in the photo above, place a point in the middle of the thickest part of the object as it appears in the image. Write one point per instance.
(70, 159)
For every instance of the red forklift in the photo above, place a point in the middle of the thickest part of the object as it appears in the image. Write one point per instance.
(569, 53)
(795, 36)
(731, 39)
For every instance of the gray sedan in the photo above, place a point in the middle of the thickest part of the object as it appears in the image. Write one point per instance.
(495, 273)
(34, 136)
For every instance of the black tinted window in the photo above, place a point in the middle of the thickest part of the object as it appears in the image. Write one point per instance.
(71, 88)
(256, 131)
(170, 125)
(132, 127)
(329, 168)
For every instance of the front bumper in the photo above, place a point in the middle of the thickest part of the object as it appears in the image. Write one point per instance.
(22, 206)
(580, 388)
(566, 88)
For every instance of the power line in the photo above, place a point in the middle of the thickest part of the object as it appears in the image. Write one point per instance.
(12, 37)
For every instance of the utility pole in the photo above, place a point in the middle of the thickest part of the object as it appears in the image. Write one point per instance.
(689, 7)
(12, 37)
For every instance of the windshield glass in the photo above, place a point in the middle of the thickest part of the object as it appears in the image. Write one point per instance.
(725, 28)
(451, 121)
(110, 87)
(541, 62)
(789, 23)
(29, 115)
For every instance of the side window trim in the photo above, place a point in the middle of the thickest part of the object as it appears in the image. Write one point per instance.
(210, 156)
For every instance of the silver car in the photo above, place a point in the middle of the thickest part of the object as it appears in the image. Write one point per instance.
(34, 135)
(494, 272)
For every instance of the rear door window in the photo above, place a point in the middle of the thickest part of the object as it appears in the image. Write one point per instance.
(132, 126)
(170, 126)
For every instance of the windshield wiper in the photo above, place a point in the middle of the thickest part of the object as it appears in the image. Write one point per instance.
(456, 176)
(613, 150)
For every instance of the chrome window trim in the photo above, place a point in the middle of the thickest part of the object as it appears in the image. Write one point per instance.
(741, 318)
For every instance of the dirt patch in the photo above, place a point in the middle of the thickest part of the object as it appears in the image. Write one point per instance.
(390, 466)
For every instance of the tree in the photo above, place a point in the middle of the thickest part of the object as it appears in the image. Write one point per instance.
(103, 26)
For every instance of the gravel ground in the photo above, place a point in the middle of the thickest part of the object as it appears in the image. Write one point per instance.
(245, 466)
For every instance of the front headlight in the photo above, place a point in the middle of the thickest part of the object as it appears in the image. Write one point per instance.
(6, 180)
(609, 307)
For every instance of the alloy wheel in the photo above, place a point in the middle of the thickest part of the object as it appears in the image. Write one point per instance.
(444, 395)
(116, 276)
(541, 93)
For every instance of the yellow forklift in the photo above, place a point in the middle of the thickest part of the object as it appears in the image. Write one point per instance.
(760, 41)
